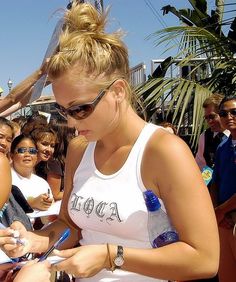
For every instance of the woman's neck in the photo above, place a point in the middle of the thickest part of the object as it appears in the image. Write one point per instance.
(24, 173)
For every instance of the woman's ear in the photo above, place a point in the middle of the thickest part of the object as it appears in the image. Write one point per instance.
(119, 90)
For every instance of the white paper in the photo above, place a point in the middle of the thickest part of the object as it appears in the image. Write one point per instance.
(4, 258)
(55, 259)
(51, 259)
(53, 210)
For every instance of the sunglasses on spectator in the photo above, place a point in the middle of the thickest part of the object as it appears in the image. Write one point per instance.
(224, 113)
(210, 116)
(23, 150)
(82, 111)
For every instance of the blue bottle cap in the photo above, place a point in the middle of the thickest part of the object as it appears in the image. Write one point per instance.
(151, 200)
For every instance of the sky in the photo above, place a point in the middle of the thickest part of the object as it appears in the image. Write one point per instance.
(26, 27)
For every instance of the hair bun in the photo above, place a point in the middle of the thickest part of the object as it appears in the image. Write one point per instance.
(84, 18)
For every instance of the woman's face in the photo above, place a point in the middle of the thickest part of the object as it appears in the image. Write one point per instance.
(106, 115)
(46, 147)
(25, 156)
(6, 136)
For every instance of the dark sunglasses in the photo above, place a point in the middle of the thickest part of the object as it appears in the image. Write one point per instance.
(224, 113)
(23, 150)
(84, 110)
(210, 116)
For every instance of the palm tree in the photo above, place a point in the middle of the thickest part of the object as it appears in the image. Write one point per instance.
(207, 54)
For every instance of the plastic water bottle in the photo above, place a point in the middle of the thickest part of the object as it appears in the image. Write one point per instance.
(160, 230)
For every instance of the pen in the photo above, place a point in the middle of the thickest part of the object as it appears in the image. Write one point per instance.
(18, 240)
(63, 237)
(49, 194)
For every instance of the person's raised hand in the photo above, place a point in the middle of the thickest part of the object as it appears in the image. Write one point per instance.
(41, 202)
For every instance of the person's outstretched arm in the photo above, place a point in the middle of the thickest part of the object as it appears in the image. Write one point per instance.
(5, 176)
(20, 95)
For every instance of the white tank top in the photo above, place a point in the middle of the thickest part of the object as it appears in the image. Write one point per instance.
(111, 208)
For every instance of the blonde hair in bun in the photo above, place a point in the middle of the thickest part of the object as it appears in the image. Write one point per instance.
(85, 47)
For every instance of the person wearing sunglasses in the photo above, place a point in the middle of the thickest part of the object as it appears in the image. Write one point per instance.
(10, 209)
(223, 191)
(24, 158)
(117, 157)
(213, 135)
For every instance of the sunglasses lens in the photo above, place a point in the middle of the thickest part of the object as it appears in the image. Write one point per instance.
(81, 112)
(211, 116)
(233, 112)
(21, 150)
(225, 113)
(32, 151)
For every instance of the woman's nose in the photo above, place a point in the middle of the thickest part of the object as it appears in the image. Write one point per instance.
(49, 148)
(3, 142)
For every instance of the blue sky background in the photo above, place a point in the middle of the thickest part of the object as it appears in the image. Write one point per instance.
(27, 25)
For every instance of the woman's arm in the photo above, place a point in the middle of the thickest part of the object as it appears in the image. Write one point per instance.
(5, 176)
(222, 212)
(229, 205)
(20, 92)
(54, 180)
(20, 95)
(169, 168)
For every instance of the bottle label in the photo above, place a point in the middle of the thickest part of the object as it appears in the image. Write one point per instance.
(165, 238)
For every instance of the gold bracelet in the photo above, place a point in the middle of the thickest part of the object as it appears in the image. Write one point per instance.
(109, 257)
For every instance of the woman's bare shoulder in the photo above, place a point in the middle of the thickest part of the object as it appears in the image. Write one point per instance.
(164, 142)
(165, 157)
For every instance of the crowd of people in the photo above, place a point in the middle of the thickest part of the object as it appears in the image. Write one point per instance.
(27, 178)
(100, 176)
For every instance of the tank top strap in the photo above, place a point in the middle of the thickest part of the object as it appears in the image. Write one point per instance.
(139, 146)
(145, 136)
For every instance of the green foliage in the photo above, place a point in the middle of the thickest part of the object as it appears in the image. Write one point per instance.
(207, 50)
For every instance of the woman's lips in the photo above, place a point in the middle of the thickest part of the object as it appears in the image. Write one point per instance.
(2, 150)
(83, 132)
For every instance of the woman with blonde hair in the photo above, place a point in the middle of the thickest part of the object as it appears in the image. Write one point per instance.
(116, 158)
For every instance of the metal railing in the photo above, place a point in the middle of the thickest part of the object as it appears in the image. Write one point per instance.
(138, 74)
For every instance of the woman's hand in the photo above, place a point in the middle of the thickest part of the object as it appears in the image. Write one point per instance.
(33, 269)
(7, 236)
(84, 261)
(41, 202)
(9, 243)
